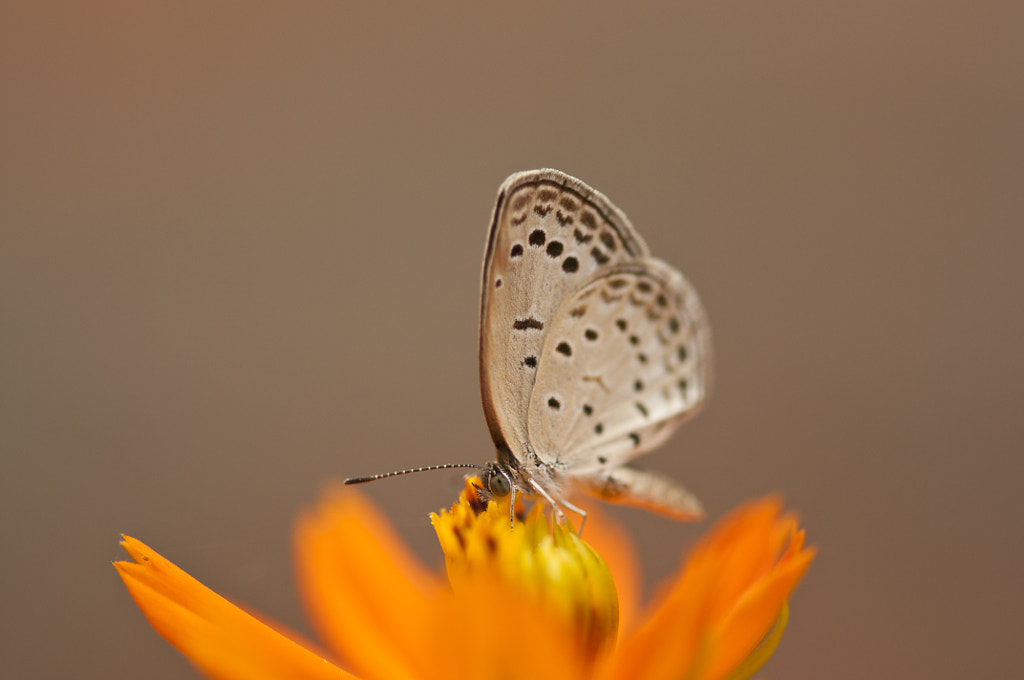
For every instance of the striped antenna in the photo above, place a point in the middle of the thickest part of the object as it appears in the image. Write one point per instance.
(373, 478)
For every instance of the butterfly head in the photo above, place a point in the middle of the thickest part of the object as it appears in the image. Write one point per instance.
(496, 480)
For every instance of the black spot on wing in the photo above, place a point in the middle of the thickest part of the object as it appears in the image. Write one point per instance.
(527, 324)
(590, 334)
(564, 348)
(531, 362)
(517, 250)
(570, 265)
(554, 249)
(599, 256)
(537, 237)
(554, 404)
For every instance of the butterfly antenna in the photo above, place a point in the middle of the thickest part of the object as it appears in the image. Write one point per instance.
(373, 478)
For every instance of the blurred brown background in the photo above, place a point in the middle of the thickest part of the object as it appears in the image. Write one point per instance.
(240, 253)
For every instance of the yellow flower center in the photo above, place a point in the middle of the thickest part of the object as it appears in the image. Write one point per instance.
(549, 569)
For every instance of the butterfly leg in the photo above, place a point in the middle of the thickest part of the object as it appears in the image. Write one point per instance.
(555, 505)
(512, 508)
(579, 511)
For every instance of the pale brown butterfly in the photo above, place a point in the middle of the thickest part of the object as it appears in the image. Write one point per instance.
(592, 352)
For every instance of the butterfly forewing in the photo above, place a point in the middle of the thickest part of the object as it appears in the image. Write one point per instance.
(549, 234)
(625, 361)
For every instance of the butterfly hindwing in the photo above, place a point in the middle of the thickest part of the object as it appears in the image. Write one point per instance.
(640, 488)
(626, 360)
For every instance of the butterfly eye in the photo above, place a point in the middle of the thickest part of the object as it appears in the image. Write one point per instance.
(499, 484)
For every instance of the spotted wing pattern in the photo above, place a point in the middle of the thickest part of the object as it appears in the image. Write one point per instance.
(550, 233)
(625, 361)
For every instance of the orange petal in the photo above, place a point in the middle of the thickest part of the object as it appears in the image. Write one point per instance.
(496, 634)
(756, 534)
(369, 598)
(755, 614)
(724, 601)
(669, 636)
(225, 642)
(613, 543)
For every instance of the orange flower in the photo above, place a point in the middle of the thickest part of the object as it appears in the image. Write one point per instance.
(532, 601)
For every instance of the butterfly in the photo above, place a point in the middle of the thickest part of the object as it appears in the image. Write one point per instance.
(592, 352)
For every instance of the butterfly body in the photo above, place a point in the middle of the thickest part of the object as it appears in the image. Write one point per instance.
(592, 352)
